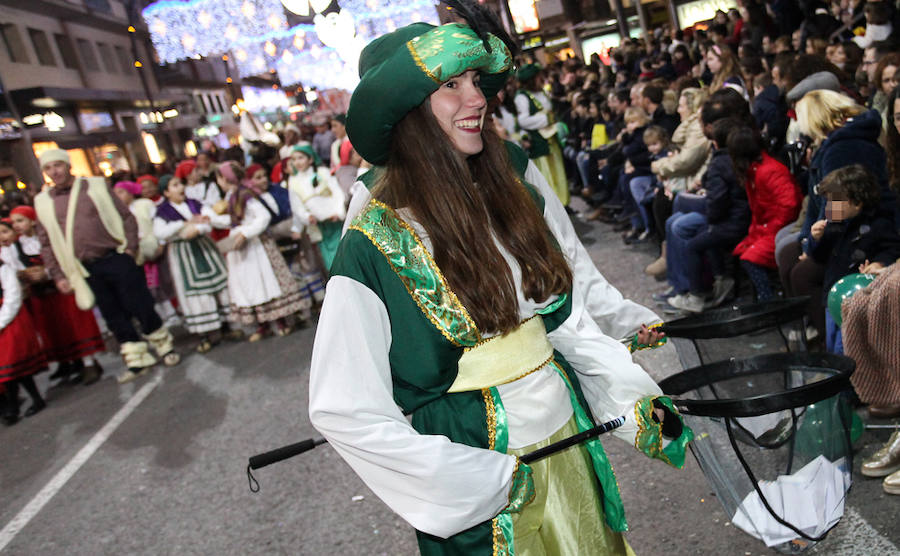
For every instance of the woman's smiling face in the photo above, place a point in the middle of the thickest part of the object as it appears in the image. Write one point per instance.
(459, 107)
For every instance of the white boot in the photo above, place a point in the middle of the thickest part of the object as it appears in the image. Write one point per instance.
(138, 360)
(164, 344)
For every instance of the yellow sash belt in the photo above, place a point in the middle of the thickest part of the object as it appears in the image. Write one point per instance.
(503, 359)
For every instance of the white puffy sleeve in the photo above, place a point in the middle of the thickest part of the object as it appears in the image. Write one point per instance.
(617, 317)
(438, 486)
(526, 120)
(12, 295)
(256, 220)
(299, 214)
(164, 230)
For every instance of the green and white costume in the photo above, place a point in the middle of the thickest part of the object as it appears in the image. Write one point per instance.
(394, 340)
(535, 117)
(389, 342)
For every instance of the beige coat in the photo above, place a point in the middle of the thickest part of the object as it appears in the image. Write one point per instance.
(689, 163)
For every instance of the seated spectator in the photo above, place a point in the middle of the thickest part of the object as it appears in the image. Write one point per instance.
(774, 198)
(878, 24)
(643, 188)
(652, 103)
(858, 235)
(726, 70)
(694, 235)
(769, 111)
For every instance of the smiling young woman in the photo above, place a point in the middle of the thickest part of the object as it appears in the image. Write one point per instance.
(459, 296)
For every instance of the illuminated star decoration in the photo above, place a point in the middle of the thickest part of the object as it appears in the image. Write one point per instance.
(256, 32)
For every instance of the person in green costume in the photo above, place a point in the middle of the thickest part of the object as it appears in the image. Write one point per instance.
(457, 333)
(535, 116)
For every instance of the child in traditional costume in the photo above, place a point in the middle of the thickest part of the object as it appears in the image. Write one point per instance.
(69, 335)
(261, 287)
(323, 200)
(534, 114)
(198, 268)
(89, 243)
(461, 296)
(21, 355)
(289, 219)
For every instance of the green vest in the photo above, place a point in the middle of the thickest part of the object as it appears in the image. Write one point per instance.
(430, 329)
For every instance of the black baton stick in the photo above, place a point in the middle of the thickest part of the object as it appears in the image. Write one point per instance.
(541, 453)
(279, 454)
(285, 452)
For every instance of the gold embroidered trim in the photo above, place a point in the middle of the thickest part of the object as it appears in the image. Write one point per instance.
(491, 415)
(454, 303)
(644, 430)
(421, 63)
(500, 548)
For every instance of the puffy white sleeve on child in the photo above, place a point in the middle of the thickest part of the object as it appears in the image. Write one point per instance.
(12, 295)
(438, 486)
(617, 317)
(299, 214)
(526, 120)
(256, 220)
(166, 231)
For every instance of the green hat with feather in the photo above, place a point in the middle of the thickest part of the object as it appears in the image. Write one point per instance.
(398, 71)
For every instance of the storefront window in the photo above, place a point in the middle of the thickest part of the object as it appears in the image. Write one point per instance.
(111, 159)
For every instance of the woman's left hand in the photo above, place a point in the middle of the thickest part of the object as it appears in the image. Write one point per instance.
(649, 337)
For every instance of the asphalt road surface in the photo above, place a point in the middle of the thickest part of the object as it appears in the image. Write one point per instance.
(158, 466)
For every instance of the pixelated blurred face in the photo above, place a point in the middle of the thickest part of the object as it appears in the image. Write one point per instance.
(633, 125)
(260, 180)
(7, 235)
(839, 208)
(175, 191)
(149, 189)
(22, 225)
(58, 171)
(300, 161)
(889, 79)
(339, 130)
(896, 113)
(713, 62)
(125, 196)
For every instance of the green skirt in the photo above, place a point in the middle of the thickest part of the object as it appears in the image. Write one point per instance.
(566, 515)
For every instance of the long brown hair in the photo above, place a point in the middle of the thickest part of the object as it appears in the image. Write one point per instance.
(730, 67)
(463, 204)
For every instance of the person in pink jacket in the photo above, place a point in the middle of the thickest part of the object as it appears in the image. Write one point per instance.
(774, 198)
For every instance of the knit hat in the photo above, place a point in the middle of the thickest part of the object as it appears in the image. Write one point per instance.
(146, 177)
(292, 127)
(26, 211)
(130, 186)
(184, 168)
(54, 155)
(6, 222)
(816, 81)
(527, 71)
(307, 149)
(399, 70)
(164, 181)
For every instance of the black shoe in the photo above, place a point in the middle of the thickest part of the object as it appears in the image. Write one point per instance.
(63, 370)
(91, 374)
(9, 420)
(36, 407)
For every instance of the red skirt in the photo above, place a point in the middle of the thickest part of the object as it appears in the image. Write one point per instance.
(20, 351)
(67, 332)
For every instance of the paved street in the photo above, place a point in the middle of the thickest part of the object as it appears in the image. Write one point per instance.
(159, 466)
